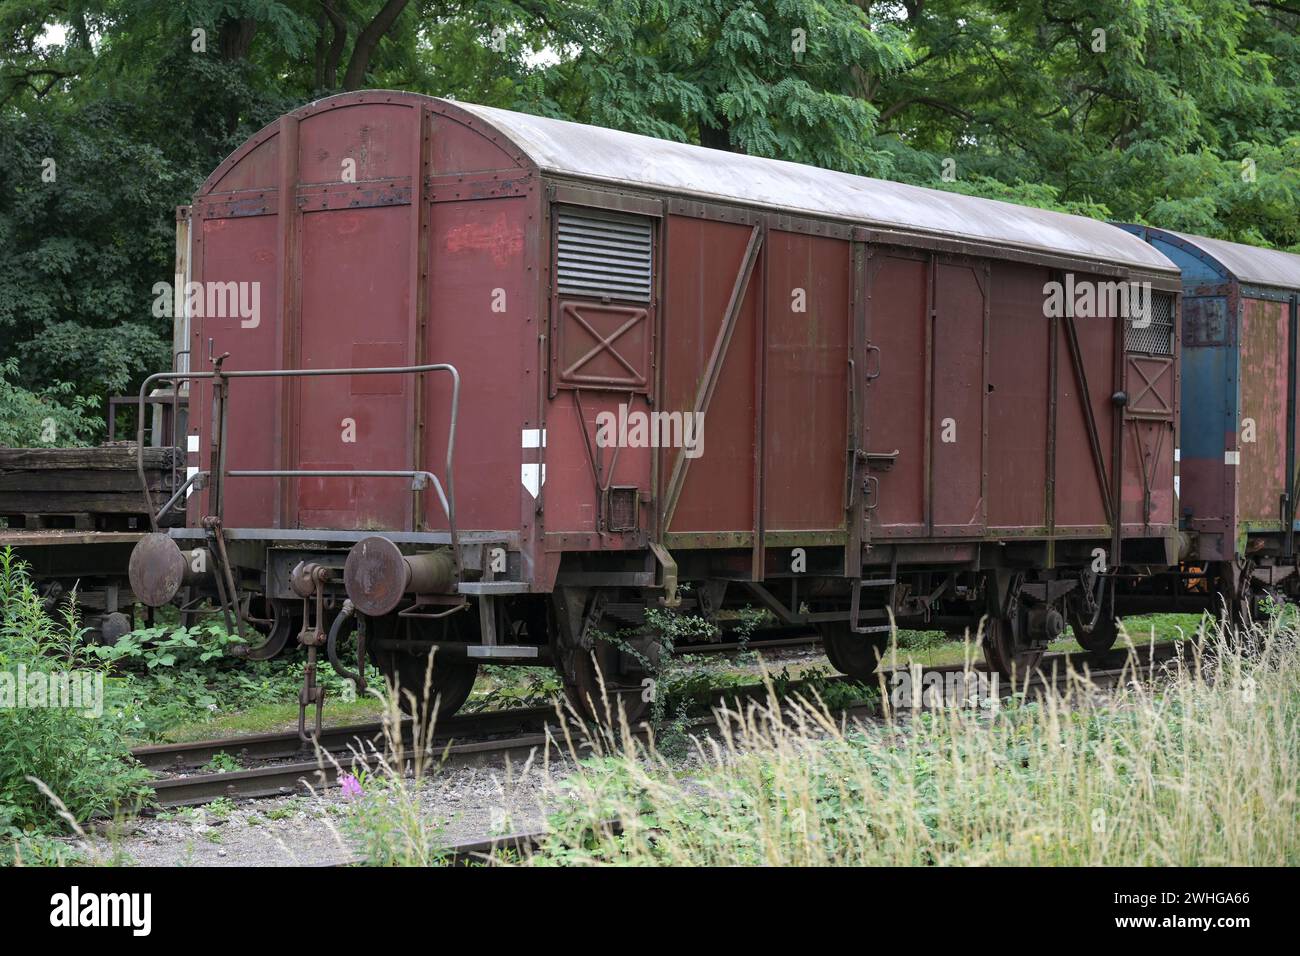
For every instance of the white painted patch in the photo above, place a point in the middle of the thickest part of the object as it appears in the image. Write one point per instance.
(1177, 486)
(1178, 454)
(1232, 458)
(192, 443)
(534, 437)
(190, 473)
(533, 476)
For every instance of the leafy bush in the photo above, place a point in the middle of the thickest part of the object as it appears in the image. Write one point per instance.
(54, 417)
(83, 759)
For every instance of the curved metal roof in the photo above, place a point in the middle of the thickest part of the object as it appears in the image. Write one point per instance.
(1249, 264)
(613, 156)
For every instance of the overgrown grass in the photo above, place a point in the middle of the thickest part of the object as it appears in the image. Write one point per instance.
(80, 754)
(1199, 767)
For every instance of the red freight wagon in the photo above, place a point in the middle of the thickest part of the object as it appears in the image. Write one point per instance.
(513, 379)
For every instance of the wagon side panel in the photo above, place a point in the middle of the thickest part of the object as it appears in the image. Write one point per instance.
(1019, 403)
(712, 494)
(957, 421)
(1207, 484)
(1085, 424)
(1262, 428)
(805, 415)
(243, 250)
(896, 400)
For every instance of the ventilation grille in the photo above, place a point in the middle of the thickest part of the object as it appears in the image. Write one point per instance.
(1157, 337)
(604, 257)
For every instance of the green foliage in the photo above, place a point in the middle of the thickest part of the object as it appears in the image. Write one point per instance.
(169, 646)
(1183, 113)
(55, 417)
(197, 687)
(81, 755)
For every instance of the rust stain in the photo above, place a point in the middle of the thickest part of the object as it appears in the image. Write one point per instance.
(347, 224)
(499, 238)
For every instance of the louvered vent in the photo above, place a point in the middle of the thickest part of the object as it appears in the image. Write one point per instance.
(1157, 337)
(604, 257)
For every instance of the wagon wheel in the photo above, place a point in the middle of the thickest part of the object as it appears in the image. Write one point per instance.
(286, 621)
(829, 649)
(1005, 653)
(1101, 638)
(449, 682)
(1104, 631)
(595, 695)
(857, 655)
(1238, 594)
(608, 679)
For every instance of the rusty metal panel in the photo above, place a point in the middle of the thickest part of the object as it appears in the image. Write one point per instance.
(258, 168)
(244, 251)
(1084, 472)
(355, 301)
(957, 420)
(485, 318)
(896, 325)
(1019, 402)
(370, 140)
(458, 151)
(704, 258)
(602, 345)
(807, 352)
(582, 469)
(1148, 462)
(1207, 484)
(1261, 471)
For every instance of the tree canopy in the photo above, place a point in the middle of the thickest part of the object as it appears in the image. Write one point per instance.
(1181, 113)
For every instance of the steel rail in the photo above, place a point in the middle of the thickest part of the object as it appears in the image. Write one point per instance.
(320, 773)
(285, 746)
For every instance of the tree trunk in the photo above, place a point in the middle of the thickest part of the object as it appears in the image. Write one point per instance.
(235, 38)
(367, 40)
(329, 74)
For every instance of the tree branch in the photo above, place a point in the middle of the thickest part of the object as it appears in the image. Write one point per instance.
(329, 77)
(367, 40)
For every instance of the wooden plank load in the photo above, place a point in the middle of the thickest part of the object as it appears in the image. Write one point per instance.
(89, 488)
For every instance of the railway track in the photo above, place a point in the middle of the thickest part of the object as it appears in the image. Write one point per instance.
(280, 766)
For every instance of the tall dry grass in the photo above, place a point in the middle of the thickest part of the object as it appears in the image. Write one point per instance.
(1198, 765)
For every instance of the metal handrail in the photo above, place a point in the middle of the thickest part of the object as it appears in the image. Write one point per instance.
(197, 478)
(447, 499)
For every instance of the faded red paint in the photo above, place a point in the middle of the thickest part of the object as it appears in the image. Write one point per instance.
(843, 353)
(1262, 469)
(348, 298)
(500, 238)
